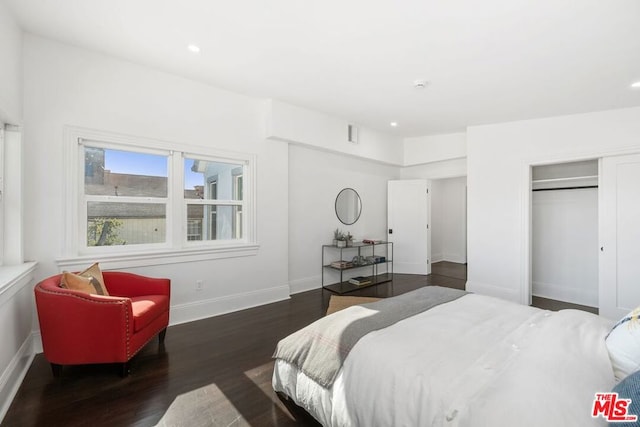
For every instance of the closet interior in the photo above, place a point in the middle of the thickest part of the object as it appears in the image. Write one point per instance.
(565, 232)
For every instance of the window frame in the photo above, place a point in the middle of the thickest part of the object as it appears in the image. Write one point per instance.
(84, 199)
(2, 193)
(215, 203)
(177, 247)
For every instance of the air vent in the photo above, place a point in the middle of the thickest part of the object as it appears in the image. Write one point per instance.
(352, 134)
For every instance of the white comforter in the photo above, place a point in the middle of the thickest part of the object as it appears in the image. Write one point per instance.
(475, 361)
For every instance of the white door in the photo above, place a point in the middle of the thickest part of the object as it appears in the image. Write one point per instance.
(407, 224)
(619, 292)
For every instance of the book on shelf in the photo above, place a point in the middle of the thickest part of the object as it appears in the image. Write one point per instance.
(371, 241)
(360, 280)
(341, 264)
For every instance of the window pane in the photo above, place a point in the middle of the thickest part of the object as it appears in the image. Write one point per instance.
(214, 222)
(113, 223)
(110, 172)
(212, 180)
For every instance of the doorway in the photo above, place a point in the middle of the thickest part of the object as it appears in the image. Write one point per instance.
(449, 220)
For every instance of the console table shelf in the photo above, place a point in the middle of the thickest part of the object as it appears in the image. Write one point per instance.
(374, 260)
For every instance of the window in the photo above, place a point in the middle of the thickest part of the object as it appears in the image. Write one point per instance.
(221, 200)
(143, 196)
(125, 197)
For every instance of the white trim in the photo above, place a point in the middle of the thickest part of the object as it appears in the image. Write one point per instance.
(305, 284)
(493, 290)
(36, 339)
(526, 204)
(176, 244)
(76, 132)
(149, 258)
(457, 258)
(124, 146)
(437, 258)
(409, 165)
(237, 159)
(14, 374)
(192, 311)
(213, 202)
(525, 241)
(2, 192)
(570, 178)
(13, 279)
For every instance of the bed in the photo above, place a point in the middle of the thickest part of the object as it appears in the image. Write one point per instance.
(470, 360)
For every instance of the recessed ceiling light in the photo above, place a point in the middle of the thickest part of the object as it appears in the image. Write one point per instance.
(420, 83)
(193, 48)
(393, 124)
(635, 85)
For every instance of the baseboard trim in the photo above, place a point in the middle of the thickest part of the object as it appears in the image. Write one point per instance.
(14, 374)
(37, 342)
(197, 310)
(458, 259)
(305, 284)
(566, 294)
(437, 258)
(493, 290)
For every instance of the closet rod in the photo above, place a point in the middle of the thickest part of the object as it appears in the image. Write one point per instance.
(565, 188)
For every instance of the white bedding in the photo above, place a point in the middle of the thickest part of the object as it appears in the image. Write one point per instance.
(475, 361)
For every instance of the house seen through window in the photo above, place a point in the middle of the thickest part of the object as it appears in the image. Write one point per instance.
(128, 201)
(219, 193)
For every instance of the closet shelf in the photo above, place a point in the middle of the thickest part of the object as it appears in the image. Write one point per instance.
(571, 178)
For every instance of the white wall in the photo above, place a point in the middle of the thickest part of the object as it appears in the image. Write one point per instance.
(16, 323)
(436, 170)
(65, 85)
(16, 294)
(434, 148)
(448, 220)
(565, 245)
(11, 68)
(498, 162)
(298, 125)
(315, 179)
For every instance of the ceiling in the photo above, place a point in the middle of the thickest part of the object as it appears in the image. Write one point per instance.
(486, 62)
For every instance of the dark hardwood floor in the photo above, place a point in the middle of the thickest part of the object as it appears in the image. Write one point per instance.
(212, 372)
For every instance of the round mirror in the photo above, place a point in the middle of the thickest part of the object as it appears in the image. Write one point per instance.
(348, 206)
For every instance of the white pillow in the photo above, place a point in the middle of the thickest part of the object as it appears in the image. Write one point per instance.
(623, 343)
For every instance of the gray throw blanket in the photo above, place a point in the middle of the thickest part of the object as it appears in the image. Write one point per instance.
(319, 350)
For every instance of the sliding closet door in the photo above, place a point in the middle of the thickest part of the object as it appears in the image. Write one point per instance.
(620, 236)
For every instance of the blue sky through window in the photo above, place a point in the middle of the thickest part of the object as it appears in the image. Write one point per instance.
(129, 162)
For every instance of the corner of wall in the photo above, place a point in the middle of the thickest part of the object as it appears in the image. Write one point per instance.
(306, 127)
(305, 284)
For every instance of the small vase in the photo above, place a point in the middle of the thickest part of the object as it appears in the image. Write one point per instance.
(341, 243)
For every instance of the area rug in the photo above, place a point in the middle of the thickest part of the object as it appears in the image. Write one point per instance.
(339, 302)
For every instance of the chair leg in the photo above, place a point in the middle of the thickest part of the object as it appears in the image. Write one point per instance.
(124, 369)
(161, 336)
(56, 369)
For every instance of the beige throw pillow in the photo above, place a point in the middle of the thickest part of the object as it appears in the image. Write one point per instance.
(89, 281)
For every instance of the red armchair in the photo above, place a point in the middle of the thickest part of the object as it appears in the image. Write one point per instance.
(79, 328)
